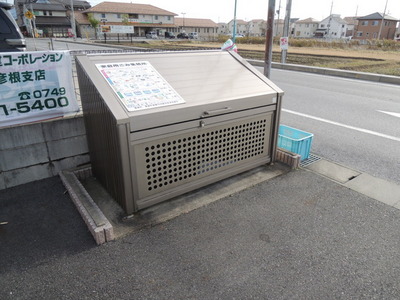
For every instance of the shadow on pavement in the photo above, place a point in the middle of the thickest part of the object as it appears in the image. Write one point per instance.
(39, 222)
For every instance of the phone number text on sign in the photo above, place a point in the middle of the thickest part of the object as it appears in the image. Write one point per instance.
(35, 86)
(37, 103)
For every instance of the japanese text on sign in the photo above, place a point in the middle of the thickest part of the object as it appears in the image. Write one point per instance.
(35, 86)
(138, 85)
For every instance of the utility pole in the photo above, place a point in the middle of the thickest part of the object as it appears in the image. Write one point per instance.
(286, 28)
(234, 24)
(269, 38)
(383, 19)
(279, 14)
(73, 25)
(33, 21)
(329, 22)
(354, 26)
(183, 27)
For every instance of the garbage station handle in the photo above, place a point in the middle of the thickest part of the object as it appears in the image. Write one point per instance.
(216, 111)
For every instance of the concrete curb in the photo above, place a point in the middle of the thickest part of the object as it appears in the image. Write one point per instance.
(331, 72)
(97, 223)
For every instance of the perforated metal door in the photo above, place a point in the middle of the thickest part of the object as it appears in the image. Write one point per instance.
(171, 162)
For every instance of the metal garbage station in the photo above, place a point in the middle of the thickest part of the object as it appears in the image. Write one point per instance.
(160, 124)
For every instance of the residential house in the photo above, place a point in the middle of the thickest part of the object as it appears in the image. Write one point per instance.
(241, 27)
(332, 27)
(52, 17)
(279, 25)
(257, 27)
(223, 28)
(83, 27)
(376, 26)
(292, 21)
(352, 23)
(305, 28)
(143, 17)
(206, 28)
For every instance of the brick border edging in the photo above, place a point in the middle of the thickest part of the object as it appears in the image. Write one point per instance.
(97, 223)
(289, 158)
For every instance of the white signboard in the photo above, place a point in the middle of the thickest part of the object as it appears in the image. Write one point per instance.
(35, 86)
(141, 20)
(284, 42)
(138, 85)
(117, 29)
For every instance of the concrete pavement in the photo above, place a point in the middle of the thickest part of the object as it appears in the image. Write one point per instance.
(300, 235)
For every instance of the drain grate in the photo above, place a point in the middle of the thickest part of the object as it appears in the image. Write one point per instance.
(312, 159)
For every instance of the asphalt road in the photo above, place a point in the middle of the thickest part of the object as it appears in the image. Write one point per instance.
(354, 122)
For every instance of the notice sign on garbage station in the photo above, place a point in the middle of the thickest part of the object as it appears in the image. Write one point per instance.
(35, 86)
(138, 85)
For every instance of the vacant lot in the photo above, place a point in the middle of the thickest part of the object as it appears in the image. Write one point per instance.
(355, 59)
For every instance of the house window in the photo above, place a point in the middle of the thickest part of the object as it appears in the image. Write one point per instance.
(169, 18)
(156, 17)
(364, 23)
(359, 34)
(118, 16)
(133, 16)
(103, 16)
(375, 23)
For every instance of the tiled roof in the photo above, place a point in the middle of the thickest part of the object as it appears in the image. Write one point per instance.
(81, 18)
(308, 20)
(377, 16)
(52, 21)
(50, 7)
(129, 8)
(77, 3)
(190, 22)
(351, 20)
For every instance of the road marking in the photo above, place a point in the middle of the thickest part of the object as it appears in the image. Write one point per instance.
(390, 113)
(393, 138)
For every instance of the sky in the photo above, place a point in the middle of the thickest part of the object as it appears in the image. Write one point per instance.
(223, 10)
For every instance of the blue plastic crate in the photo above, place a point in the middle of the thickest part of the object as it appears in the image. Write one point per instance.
(295, 140)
